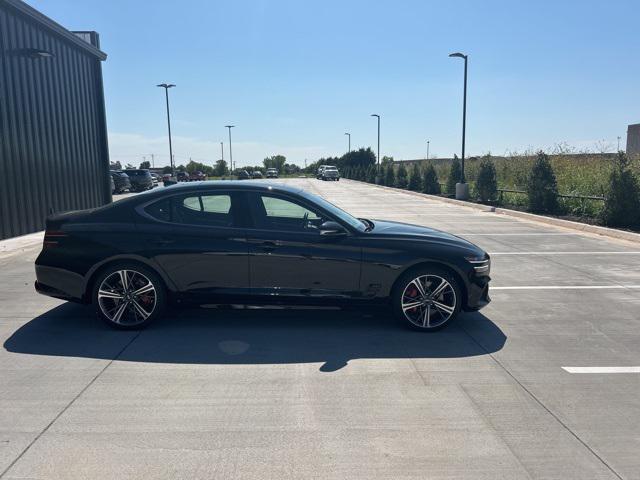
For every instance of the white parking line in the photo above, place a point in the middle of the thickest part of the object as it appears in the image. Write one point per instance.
(523, 234)
(566, 287)
(602, 369)
(564, 253)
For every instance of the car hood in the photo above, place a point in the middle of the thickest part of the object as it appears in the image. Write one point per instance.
(387, 229)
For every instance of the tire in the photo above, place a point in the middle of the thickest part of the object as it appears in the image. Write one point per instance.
(108, 296)
(430, 313)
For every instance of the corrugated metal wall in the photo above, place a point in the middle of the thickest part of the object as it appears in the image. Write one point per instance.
(53, 145)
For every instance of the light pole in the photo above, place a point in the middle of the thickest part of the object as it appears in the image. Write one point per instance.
(463, 194)
(349, 135)
(378, 168)
(618, 143)
(428, 142)
(230, 150)
(166, 87)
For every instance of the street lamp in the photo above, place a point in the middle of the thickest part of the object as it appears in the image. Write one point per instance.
(222, 150)
(349, 135)
(378, 169)
(428, 142)
(166, 87)
(463, 194)
(230, 150)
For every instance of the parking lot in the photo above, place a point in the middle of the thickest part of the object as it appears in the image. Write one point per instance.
(518, 390)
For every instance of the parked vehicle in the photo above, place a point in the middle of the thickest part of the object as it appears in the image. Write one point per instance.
(155, 178)
(319, 172)
(121, 181)
(256, 174)
(272, 173)
(141, 179)
(182, 176)
(256, 243)
(243, 175)
(330, 172)
(197, 176)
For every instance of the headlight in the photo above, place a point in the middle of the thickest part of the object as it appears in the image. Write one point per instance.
(481, 264)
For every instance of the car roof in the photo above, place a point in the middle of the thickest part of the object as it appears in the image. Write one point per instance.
(212, 185)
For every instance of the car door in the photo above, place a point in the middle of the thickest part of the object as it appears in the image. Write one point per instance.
(288, 257)
(198, 241)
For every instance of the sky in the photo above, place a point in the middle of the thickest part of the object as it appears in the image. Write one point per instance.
(294, 76)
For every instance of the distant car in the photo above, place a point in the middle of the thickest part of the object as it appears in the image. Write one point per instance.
(166, 176)
(113, 184)
(319, 172)
(256, 174)
(197, 176)
(272, 173)
(155, 178)
(182, 176)
(243, 175)
(121, 181)
(330, 172)
(141, 179)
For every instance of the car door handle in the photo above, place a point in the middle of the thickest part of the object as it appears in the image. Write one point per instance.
(268, 246)
(163, 241)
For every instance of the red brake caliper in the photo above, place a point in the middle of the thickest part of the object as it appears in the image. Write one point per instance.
(412, 292)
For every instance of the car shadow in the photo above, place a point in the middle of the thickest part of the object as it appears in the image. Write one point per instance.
(253, 336)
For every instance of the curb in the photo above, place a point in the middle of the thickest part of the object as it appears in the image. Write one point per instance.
(531, 217)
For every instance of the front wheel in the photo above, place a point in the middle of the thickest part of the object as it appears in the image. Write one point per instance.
(427, 299)
(129, 296)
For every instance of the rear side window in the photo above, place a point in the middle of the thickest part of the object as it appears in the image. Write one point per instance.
(160, 210)
(207, 210)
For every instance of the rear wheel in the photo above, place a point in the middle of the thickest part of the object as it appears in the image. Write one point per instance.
(129, 296)
(427, 299)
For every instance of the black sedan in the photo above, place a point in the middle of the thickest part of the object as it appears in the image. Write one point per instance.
(253, 243)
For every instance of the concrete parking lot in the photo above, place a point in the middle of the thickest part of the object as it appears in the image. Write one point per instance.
(514, 391)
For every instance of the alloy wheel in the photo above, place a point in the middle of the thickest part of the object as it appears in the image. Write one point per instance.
(428, 301)
(127, 297)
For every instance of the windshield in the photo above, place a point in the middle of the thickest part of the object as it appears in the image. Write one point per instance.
(336, 212)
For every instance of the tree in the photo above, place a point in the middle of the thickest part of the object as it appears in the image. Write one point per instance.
(166, 169)
(115, 165)
(487, 183)
(455, 172)
(146, 165)
(390, 176)
(386, 160)
(371, 174)
(275, 161)
(542, 188)
(430, 183)
(221, 169)
(622, 201)
(415, 180)
(402, 181)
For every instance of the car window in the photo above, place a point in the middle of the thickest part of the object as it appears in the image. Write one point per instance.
(276, 213)
(160, 210)
(208, 210)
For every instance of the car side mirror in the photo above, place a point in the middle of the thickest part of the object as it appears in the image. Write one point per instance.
(332, 229)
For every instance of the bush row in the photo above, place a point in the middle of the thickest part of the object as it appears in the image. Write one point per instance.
(620, 186)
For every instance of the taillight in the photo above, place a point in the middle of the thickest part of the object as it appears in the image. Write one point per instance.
(52, 238)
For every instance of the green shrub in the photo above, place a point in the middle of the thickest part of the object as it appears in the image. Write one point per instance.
(390, 176)
(486, 180)
(371, 174)
(455, 171)
(622, 200)
(430, 180)
(402, 180)
(542, 187)
(415, 180)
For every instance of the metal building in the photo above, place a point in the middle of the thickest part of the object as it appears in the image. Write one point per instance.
(53, 135)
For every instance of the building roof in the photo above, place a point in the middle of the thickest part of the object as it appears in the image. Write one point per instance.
(55, 28)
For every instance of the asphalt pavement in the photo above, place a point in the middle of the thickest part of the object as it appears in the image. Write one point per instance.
(518, 390)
